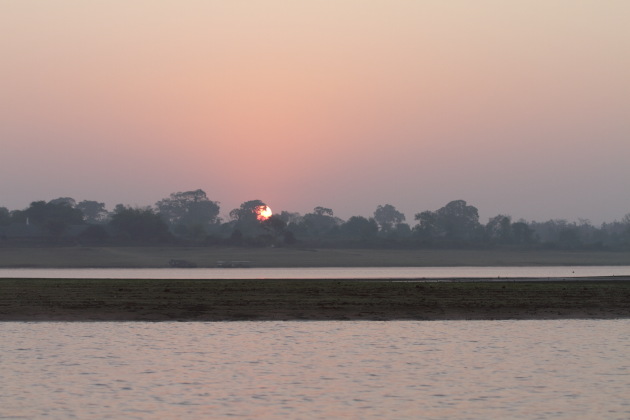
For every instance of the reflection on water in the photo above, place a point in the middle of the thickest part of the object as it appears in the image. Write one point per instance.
(317, 272)
(457, 369)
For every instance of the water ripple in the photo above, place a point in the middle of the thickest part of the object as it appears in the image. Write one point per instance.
(469, 369)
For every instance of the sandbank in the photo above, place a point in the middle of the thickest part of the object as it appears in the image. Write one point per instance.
(329, 299)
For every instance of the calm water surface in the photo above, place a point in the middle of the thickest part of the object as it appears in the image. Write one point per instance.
(319, 272)
(562, 369)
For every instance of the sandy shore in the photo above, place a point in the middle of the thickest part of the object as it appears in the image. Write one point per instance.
(231, 300)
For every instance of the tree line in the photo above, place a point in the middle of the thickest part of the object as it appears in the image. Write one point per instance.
(190, 217)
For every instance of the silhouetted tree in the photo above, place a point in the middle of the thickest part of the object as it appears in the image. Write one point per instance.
(190, 212)
(289, 238)
(456, 221)
(94, 234)
(54, 216)
(290, 217)
(358, 227)
(275, 224)
(319, 223)
(93, 211)
(569, 237)
(5, 216)
(459, 220)
(68, 201)
(322, 211)
(626, 232)
(40, 212)
(499, 229)
(402, 230)
(549, 232)
(245, 218)
(236, 238)
(616, 234)
(139, 224)
(522, 234)
(247, 210)
(428, 225)
(387, 217)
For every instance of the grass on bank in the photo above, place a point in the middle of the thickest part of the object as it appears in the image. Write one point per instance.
(156, 257)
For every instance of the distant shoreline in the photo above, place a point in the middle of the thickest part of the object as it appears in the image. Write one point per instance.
(325, 299)
(206, 257)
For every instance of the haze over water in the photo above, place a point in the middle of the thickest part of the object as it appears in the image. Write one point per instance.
(520, 108)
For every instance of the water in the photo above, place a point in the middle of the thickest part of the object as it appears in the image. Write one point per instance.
(320, 272)
(564, 369)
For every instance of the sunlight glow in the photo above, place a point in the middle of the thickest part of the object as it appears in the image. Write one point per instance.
(263, 213)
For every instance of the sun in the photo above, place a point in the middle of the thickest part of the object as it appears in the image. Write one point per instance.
(263, 213)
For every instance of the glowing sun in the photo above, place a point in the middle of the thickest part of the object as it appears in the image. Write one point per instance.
(263, 213)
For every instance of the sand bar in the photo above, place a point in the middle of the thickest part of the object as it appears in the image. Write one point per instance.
(232, 300)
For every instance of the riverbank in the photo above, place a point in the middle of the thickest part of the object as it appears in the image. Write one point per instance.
(232, 300)
(158, 257)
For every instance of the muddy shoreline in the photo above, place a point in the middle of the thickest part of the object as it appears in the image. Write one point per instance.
(237, 300)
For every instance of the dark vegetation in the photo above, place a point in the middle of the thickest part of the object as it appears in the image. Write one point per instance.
(191, 219)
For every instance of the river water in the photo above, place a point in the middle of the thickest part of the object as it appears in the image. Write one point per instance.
(320, 272)
(564, 369)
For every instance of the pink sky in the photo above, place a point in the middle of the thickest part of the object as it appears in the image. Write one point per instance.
(520, 108)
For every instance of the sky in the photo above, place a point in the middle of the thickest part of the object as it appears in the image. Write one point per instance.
(520, 108)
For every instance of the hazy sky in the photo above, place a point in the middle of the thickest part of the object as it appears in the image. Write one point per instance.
(518, 107)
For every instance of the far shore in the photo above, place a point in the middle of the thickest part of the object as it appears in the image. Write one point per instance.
(205, 257)
(325, 299)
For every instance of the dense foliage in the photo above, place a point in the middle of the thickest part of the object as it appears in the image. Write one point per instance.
(191, 218)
